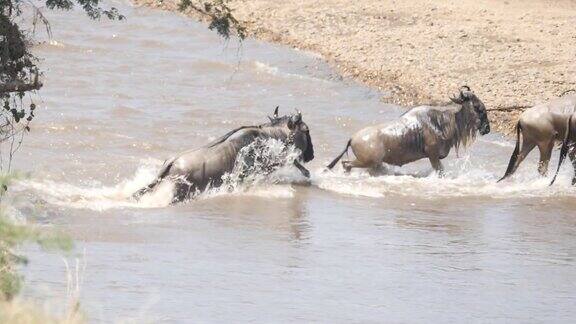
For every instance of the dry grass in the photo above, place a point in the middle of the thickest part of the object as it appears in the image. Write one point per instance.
(22, 312)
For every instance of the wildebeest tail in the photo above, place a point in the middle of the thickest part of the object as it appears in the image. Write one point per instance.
(333, 163)
(564, 149)
(514, 157)
(162, 174)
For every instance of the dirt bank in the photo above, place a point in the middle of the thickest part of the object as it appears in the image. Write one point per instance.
(512, 53)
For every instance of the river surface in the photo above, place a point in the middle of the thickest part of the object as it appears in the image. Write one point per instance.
(120, 97)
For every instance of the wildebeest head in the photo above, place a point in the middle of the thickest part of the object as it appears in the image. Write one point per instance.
(469, 100)
(300, 136)
(299, 132)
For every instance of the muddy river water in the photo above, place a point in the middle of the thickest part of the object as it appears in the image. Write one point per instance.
(119, 98)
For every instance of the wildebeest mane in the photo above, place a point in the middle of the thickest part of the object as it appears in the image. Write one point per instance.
(223, 138)
(456, 127)
(414, 138)
(465, 120)
(275, 121)
(273, 129)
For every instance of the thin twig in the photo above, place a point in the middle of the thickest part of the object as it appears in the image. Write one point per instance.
(21, 86)
(509, 108)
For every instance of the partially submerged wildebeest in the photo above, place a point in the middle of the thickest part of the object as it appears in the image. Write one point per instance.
(195, 170)
(568, 147)
(542, 125)
(422, 132)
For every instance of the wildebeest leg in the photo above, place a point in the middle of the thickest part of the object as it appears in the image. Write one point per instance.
(181, 191)
(164, 171)
(302, 169)
(432, 149)
(436, 164)
(348, 165)
(527, 147)
(572, 156)
(145, 190)
(377, 170)
(545, 154)
(433, 152)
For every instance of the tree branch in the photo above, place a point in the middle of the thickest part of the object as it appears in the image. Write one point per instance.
(21, 86)
(509, 108)
(219, 15)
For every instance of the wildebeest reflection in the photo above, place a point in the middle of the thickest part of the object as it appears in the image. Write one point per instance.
(422, 132)
(193, 171)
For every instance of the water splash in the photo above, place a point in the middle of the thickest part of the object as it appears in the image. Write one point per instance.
(96, 196)
(265, 68)
(464, 178)
(262, 169)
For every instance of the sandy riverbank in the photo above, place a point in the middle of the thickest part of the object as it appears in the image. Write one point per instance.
(512, 53)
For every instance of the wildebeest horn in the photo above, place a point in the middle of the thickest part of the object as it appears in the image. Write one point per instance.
(456, 100)
(567, 91)
(276, 111)
(465, 87)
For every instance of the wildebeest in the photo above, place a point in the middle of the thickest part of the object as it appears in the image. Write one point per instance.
(568, 147)
(422, 132)
(193, 171)
(542, 125)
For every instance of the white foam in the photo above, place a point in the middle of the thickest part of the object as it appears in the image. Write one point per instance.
(465, 177)
(56, 43)
(97, 196)
(255, 179)
(257, 182)
(275, 71)
(263, 67)
(462, 180)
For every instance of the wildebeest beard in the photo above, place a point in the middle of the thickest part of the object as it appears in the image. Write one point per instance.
(308, 154)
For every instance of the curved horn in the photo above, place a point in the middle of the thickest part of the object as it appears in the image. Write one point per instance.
(567, 91)
(456, 100)
(465, 87)
(276, 112)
